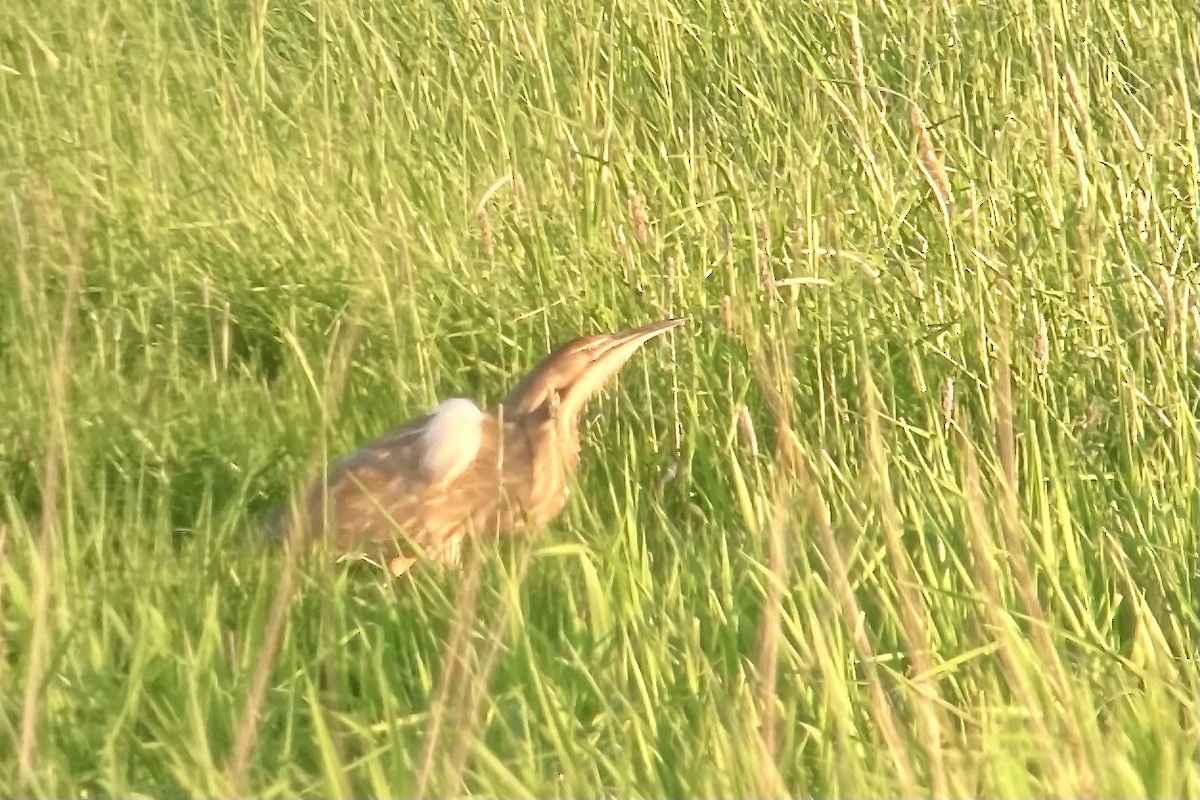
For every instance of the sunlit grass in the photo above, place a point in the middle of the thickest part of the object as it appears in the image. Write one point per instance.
(944, 255)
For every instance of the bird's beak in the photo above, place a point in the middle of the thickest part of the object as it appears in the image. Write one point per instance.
(607, 355)
(627, 342)
(576, 370)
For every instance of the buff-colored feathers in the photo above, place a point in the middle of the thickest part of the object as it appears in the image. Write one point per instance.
(461, 470)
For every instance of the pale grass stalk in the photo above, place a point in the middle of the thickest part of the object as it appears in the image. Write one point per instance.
(467, 716)
(774, 372)
(913, 614)
(4, 530)
(207, 303)
(857, 133)
(1010, 523)
(245, 737)
(24, 294)
(453, 675)
(983, 563)
(1166, 292)
(486, 237)
(521, 196)
(852, 613)
(769, 376)
(1050, 123)
(766, 273)
(671, 280)
(746, 430)
(1041, 344)
(51, 478)
(727, 315)
(1130, 130)
(856, 56)
(770, 782)
(569, 163)
(328, 701)
(1075, 147)
(1075, 95)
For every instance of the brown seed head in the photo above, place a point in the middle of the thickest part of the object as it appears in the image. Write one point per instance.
(1041, 345)
(1075, 94)
(485, 233)
(746, 430)
(948, 401)
(637, 213)
(931, 165)
(856, 54)
(766, 274)
(1077, 160)
(1141, 203)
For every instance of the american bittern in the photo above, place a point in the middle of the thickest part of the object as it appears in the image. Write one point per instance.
(461, 470)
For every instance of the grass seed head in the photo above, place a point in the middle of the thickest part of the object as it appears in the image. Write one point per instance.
(637, 213)
(727, 315)
(948, 401)
(1075, 94)
(1141, 204)
(1077, 160)
(766, 279)
(931, 164)
(763, 231)
(486, 240)
(746, 430)
(1041, 345)
(856, 54)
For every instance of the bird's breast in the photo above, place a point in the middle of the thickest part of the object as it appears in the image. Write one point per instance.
(537, 464)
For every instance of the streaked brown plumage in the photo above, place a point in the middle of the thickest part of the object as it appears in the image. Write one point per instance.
(460, 470)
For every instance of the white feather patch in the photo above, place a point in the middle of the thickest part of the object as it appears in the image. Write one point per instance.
(451, 440)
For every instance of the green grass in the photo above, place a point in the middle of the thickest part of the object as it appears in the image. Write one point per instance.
(237, 237)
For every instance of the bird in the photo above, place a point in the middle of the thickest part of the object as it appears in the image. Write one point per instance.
(461, 470)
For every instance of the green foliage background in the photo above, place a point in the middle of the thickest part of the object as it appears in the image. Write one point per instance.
(204, 202)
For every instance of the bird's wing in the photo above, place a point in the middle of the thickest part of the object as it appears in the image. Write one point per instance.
(416, 482)
(450, 440)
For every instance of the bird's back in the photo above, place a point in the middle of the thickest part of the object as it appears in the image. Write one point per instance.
(383, 496)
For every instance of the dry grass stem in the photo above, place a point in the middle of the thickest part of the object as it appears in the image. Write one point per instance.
(766, 273)
(58, 378)
(912, 607)
(1010, 522)
(1166, 291)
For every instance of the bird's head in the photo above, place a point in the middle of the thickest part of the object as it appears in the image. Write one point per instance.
(565, 380)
